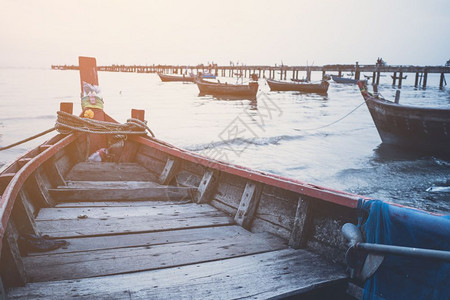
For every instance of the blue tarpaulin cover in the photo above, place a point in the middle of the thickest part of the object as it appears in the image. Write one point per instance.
(401, 277)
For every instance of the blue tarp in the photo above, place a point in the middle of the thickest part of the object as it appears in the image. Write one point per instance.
(401, 277)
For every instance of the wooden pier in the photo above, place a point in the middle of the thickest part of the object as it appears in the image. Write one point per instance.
(399, 73)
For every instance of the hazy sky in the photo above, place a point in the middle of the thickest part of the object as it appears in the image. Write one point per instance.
(39, 33)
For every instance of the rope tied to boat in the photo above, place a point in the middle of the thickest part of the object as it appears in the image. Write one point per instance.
(67, 123)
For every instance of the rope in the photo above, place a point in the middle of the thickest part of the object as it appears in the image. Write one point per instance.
(67, 123)
(27, 139)
(334, 122)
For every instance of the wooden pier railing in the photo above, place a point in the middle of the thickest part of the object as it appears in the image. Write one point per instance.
(398, 72)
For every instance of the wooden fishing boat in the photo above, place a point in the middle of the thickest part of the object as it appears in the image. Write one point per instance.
(167, 78)
(156, 221)
(320, 88)
(338, 79)
(225, 89)
(412, 127)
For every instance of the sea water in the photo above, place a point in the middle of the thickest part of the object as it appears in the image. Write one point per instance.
(327, 140)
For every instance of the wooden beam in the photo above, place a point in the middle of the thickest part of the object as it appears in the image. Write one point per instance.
(23, 214)
(23, 161)
(111, 194)
(12, 269)
(170, 171)
(302, 224)
(207, 186)
(43, 185)
(248, 205)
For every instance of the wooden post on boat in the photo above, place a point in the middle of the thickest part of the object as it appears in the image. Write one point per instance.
(378, 78)
(66, 107)
(357, 72)
(373, 78)
(88, 74)
(302, 224)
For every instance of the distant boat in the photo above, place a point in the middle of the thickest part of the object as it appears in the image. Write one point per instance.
(398, 77)
(226, 89)
(298, 80)
(343, 79)
(185, 78)
(208, 75)
(320, 88)
(421, 128)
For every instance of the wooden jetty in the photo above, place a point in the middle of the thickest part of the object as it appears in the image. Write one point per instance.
(271, 72)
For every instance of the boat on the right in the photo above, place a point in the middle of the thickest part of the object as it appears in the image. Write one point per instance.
(417, 128)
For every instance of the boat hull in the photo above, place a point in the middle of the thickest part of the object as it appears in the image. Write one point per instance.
(338, 79)
(321, 88)
(224, 89)
(415, 128)
(168, 78)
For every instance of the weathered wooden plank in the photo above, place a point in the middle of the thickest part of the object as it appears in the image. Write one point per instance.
(23, 214)
(249, 203)
(159, 193)
(47, 214)
(146, 239)
(228, 193)
(151, 164)
(153, 153)
(105, 171)
(206, 187)
(91, 227)
(12, 270)
(223, 207)
(108, 184)
(43, 186)
(260, 225)
(280, 211)
(248, 277)
(115, 261)
(121, 203)
(63, 162)
(169, 172)
(24, 161)
(128, 152)
(302, 224)
(185, 178)
(54, 173)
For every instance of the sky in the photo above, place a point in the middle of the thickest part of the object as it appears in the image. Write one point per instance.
(39, 33)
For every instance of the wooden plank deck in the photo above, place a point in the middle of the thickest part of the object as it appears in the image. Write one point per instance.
(162, 248)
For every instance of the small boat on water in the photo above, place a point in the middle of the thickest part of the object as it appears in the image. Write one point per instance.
(226, 89)
(184, 78)
(412, 127)
(319, 88)
(338, 79)
(208, 75)
(106, 211)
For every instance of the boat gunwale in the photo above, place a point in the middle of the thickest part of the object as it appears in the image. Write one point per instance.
(11, 191)
(326, 194)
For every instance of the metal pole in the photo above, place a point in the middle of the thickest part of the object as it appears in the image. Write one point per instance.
(405, 251)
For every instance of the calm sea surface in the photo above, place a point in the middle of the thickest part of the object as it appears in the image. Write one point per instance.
(290, 134)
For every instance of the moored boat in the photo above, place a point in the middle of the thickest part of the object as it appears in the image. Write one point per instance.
(338, 79)
(150, 220)
(412, 127)
(167, 78)
(225, 89)
(320, 88)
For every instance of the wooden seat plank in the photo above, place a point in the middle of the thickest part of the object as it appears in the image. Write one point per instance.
(145, 239)
(114, 225)
(99, 194)
(116, 261)
(120, 203)
(261, 276)
(74, 213)
(106, 171)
